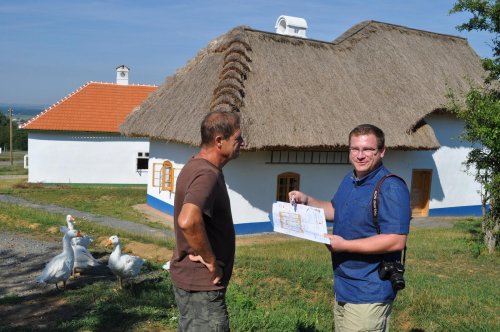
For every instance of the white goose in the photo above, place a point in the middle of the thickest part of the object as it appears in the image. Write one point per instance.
(83, 258)
(59, 268)
(123, 266)
(84, 240)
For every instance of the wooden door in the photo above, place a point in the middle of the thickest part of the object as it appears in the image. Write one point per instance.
(420, 192)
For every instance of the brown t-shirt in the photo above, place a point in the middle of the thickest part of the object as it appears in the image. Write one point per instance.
(202, 184)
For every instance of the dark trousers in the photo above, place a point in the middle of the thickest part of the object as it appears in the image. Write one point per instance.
(202, 311)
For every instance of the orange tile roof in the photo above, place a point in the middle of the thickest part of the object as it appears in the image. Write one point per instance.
(95, 107)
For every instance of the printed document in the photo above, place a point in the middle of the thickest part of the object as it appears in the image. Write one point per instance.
(300, 220)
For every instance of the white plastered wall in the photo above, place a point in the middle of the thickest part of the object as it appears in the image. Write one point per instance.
(252, 181)
(85, 158)
(451, 186)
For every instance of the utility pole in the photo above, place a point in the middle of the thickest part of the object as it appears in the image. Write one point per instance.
(10, 117)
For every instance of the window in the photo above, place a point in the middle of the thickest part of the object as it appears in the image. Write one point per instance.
(142, 161)
(157, 174)
(309, 157)
(287, 182)
(167, 176)
(163, 176)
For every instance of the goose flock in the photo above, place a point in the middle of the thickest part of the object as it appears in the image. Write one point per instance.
(77, 257)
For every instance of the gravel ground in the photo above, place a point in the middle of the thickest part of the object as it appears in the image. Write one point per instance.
(22, 259)
(36, 306)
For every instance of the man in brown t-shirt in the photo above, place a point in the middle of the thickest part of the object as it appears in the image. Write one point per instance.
(202, 262)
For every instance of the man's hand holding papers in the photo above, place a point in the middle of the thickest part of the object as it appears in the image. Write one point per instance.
(300, 220)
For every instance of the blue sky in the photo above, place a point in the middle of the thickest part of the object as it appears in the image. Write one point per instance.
(50, 48)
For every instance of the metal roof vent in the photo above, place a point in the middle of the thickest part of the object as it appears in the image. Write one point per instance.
(291, 26)
(122, 75)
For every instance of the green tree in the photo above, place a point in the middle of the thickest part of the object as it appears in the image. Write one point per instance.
(4, 131)
(19, 137)
(481, 114)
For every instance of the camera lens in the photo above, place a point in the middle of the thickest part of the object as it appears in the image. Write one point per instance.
(397, 281)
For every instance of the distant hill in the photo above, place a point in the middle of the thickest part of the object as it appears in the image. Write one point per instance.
(22, 111)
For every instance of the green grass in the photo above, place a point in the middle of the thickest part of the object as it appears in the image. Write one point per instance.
(452, 284)
(6, 184)
(287, 286)
(16, 155)
(16, 218)
(283, 286)
(16, 169)
(103, 308)
(10, 298)
(112, 201)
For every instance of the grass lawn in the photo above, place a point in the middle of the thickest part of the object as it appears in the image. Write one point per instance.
(112, 201)
(16, 155)
(286, 285)
(16, 169)
(280, 283)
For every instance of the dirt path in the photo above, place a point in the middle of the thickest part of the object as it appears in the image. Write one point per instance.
(22, 259)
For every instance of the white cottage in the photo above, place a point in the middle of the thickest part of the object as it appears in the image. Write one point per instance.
(77, 140)
(298, 100)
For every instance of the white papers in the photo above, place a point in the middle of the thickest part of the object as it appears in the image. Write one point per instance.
(302, 221)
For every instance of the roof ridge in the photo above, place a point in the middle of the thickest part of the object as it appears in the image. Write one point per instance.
(133, 84)
(55, 104)
(419, 30)
(362, 25)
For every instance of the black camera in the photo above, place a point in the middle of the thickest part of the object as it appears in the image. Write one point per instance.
(392, 271)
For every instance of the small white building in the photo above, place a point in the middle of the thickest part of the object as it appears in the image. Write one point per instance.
(299, 99)
(77, 140)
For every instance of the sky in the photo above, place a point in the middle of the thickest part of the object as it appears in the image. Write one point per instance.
(50, 48)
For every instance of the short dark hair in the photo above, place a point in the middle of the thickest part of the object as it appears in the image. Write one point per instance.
(367, 129)
(215, 123)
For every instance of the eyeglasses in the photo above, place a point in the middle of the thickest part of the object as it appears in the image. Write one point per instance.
(366, 152)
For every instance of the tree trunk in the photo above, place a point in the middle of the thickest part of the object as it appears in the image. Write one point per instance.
(491, 229)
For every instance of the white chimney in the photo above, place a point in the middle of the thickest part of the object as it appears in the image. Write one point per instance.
(291, 26)
(122, 75)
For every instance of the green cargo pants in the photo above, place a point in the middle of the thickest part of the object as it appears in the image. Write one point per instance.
(202, 311)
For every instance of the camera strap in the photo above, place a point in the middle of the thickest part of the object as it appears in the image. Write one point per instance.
(375, 205)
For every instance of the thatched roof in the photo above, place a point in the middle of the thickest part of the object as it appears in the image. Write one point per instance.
(295, 93)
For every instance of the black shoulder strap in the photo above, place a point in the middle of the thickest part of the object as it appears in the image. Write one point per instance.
(375, 199)
(375, 205)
